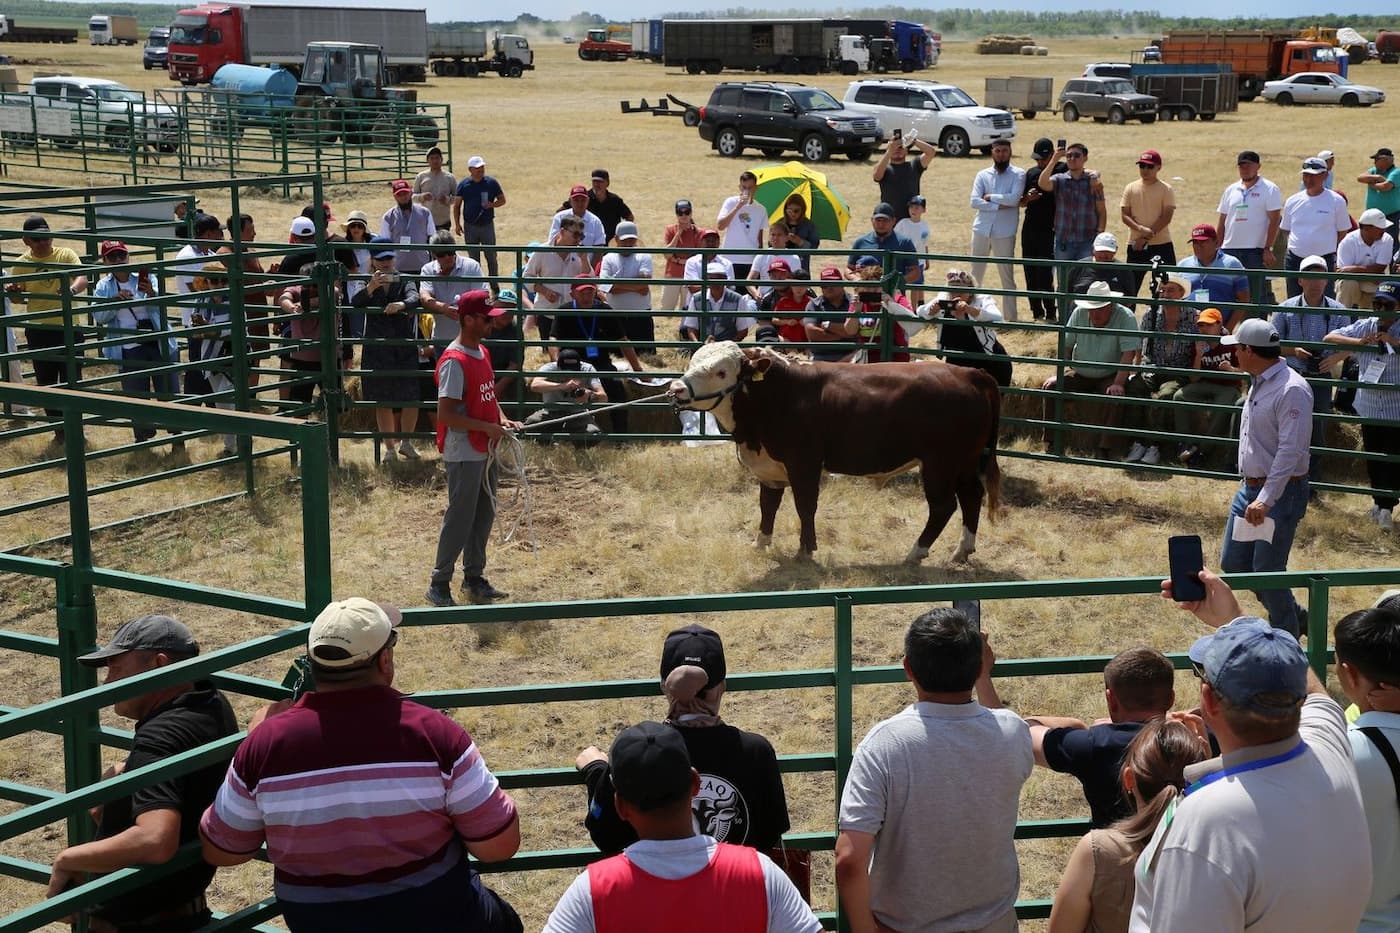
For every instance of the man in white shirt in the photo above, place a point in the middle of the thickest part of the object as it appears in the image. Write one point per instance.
(593, 232)
(445, 279)
(635, 297)
(996, 197)
(1367, 250)
(1247, 224)
(1315, 220)
(561, 268)
(744, 223)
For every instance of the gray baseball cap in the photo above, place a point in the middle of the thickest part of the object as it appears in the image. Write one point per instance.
(148, 633)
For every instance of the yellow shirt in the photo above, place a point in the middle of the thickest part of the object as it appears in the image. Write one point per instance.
(43, 294)
(1146, 203)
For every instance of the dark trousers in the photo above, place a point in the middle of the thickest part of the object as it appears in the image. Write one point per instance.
(1092, 412)
(1259, 288)
(456, 902)
(138, 382)
(1035, 245)
(1382, 439)
(1166, 251)
(48, 357)
(616, 389)
(484, 234)
(1291, 262)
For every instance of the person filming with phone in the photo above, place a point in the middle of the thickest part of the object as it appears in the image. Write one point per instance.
(396, 303)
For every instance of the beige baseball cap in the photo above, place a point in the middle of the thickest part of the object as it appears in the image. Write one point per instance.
(349, 632)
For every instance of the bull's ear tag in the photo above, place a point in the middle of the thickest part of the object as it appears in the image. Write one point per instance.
(758, 375)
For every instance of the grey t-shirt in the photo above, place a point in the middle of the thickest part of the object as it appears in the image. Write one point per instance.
(457, 447)
(939, 786)
(550, 372)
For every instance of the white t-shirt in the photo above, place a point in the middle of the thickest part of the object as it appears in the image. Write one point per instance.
(748, 229)
(194, 256)
(446, 327)
(693, 266)
(1353, 251)
(1278, 849)
(562, 266)
(1246, 213)
(915, 231)
(1313, 223)
(629, 266)
(593, 232)
(1383, 817)
(761, 264)
(674, 859)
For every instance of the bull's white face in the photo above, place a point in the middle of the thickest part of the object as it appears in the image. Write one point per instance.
(709, 381)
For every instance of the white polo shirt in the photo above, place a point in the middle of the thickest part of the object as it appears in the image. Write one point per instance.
(1353, 251)
(1246, 213)
(1313, 222)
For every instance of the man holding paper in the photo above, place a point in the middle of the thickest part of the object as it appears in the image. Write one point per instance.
(1275, 431)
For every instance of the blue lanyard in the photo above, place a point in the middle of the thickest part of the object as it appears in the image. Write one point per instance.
(1289, 755)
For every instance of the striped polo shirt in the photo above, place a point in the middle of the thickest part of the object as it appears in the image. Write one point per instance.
(1378, 399)
(358, 794)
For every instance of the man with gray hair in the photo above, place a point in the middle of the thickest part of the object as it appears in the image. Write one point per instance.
(447, 277)
(148, 827)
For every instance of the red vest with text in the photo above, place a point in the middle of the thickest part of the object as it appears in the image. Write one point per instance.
(478, 393)
(729, 896)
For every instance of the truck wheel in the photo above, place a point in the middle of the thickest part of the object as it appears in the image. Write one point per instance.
(849, 68)
(515, 70)
(1071, 113)
(146, 65)
(1117, 116)
(691, 117)
(1350, 100)
(954, 142)
(880, 68)
(815, 149)
(907, 65)
(729, 144)
(811, 66)
(714, 66)
(584, 55)
(1028, 114)
(692, 68)
(1148, 118)
(119, 137)
(1284, 100)
(1207, 117)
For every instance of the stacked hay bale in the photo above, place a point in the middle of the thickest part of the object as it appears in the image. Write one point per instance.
(1003, 45)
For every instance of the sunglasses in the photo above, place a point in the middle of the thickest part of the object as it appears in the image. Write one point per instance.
(682, 213)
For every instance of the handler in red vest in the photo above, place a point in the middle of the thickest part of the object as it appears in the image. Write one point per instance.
(469, 421)
(674, 880)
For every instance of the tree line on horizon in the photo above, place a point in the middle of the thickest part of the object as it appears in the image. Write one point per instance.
(951, 22)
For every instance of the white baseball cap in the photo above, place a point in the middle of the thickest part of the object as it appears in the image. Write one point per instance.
(348, 633)
(1106, 242)
(303, 226)
(476, 162)
(1374, 217)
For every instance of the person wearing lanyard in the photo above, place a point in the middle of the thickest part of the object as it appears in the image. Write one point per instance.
(1376, 398)
(1271, 835)
(1275, 432)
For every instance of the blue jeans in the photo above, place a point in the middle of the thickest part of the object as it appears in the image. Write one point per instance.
(1266, 556)
(1070, 249)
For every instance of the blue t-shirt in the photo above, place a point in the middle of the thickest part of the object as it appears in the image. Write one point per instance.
(476, 199)
(1095, 757)
(1224, 282)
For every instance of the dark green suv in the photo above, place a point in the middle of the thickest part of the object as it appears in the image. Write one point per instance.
(774, 117)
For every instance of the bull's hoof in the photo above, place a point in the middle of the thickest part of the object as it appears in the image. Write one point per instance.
(761, 541)
(960, 556)
(916, 555)
(806, 557)
(966, 546)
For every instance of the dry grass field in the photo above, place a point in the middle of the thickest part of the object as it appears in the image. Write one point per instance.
(657, 520)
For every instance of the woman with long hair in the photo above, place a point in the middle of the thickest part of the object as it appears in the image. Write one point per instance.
(1096, 892)
(802, 233)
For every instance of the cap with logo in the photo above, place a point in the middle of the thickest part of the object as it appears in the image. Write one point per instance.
(1253, 665)
(1374, 217)
(1255, 332)
(111, 247)
(1105, 243)
(578, 191)
(349, 632)
(1387, 292)
(883, 209)
(1150, 157)
(476, 161)
(696, 646)
(148, 633)
(400, 185)
(1202, 232)
(779, 265)
(507, 296)
(832, 274)
(1043, 148)
(477, 303)
(650, 765)
(1313, 166)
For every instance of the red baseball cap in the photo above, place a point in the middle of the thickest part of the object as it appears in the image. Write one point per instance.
(477, 303)
(584, 280)
(578, 191)
(400, 185)
(1202, 232)
(112, 246)
(779, 265)
(1150, 157)
(832, 274)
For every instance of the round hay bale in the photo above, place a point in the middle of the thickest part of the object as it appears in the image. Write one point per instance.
(1027, 50)
(1042, 50)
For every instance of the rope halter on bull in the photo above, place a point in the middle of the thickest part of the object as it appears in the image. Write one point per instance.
(717, 396)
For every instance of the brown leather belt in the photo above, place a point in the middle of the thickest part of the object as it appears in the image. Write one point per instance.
(190, 908)
(1254, 482)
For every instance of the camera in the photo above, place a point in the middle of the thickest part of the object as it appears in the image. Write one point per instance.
(391, 277)
(871, 298)
(947, 304)
(579, 393)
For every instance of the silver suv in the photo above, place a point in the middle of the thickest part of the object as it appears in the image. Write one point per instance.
(942, 113)
(1111, 99)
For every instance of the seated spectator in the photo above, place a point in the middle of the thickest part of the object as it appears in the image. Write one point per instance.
(741, 799)
(961, 313)
(1137, 688)
(928, 814)
(719, 312)
(758, 271)
(709, 241)
(674, 878)
(1368, 667)
(1307, 318)
(1367, 250)
(682, 238)
(1103, 267)
(1218, 383)
(505, 343)
(390, 368)
(788, 295)
(1373, 340)
(826, 317)
(1094, 353)
(134, 359)
(584, 332)
(634, 298)
(874, 311)
(569, 387)
(1221, 278)
(445, 278)
(1096, 890)
(1169, 342)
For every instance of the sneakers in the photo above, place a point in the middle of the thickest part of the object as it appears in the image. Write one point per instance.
(1152, 457)
(407, 450)
(1383, 518)
(440, 595)
(1135, 453)
(480, 590)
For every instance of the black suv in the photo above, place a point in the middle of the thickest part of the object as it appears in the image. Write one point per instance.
(775, 117)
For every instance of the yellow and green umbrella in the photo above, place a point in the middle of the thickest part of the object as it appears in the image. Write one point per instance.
(825, 207)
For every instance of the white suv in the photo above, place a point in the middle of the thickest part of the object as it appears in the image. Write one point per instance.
(941, 113)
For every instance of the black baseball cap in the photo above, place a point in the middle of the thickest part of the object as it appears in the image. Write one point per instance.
(650, 765)
(1248, 155)
(697, 646)
(148, 633)
(1043, 147)
(1383, 151)
(569, 359)
(683, 205)
(600, 174)
(34, 222)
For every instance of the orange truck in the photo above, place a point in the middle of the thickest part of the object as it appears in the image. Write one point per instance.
(1255, 55)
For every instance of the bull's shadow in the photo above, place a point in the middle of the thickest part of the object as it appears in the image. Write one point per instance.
(793, 573)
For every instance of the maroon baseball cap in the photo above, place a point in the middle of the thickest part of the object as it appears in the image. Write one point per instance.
(1202, 232)
(400, 185)
(832, 274)
(112, 246)
(578, 191)
(779, 265)
(1150, 157)
(477, 303)
(584, 280)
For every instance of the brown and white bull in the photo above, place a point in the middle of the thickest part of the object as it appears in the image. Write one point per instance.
(793, 419)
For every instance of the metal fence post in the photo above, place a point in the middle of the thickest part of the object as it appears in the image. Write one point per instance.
(1318, 594)
(843, 711)
(77, 633)
(316, 517)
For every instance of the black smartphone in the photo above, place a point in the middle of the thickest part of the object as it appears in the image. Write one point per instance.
(898, 134)
(1060, 143)
(1186, 562)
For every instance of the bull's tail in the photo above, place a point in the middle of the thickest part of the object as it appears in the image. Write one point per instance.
(987, 465)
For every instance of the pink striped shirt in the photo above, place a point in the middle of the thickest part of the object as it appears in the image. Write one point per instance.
(357, 793)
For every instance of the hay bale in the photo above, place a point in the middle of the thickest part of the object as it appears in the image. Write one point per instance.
(1042, 50)
(1027, 50)
(1003, 45)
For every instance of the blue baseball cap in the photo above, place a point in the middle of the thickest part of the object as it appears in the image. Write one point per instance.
(1387, 291)
(507, 297)
(1254, 666)
(381, 253)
